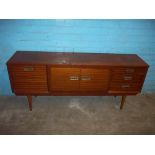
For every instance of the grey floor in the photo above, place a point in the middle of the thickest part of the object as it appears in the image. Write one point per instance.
(78, 115)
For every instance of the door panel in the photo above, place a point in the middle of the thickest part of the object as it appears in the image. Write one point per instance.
(94, 79)
(64, 79)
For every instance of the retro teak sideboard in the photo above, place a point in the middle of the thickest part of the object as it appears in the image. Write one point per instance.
(86, 74)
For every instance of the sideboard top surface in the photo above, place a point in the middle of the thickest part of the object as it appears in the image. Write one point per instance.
(69, 58)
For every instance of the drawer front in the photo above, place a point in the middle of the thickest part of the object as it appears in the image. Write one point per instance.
(128, 74)
(130, 70)
(64, 79)
(94, 79)
(29, 78)
(125, 86)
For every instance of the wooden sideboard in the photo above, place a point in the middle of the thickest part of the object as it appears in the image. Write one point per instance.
(86, 74)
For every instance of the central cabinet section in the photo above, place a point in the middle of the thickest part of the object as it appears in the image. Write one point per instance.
(67, 79)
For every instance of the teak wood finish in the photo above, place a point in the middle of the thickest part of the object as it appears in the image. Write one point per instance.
(63, 73)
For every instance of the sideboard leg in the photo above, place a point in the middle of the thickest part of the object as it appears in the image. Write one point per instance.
(122, 102)
(30, 102)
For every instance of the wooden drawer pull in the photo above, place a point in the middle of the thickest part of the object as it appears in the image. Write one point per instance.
(73, 78)
(125, 86)
(85, 78)
(127, 77)
(28, 69)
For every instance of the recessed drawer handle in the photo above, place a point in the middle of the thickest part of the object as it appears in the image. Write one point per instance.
(125, 86)
(73, 78)
(28, 69)
(129, 70)
(127, 77)
(85, 78)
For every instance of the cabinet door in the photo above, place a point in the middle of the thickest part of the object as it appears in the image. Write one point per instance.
(94, 79)
(28, 79)
(64, 79)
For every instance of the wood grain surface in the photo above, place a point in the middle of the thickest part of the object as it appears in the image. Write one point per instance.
(59, 73)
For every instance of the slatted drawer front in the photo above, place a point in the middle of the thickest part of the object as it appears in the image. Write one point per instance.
(94, 79)
(127, 78)
(125, 86)
(29, 78)
(64, 79)
(128, 74)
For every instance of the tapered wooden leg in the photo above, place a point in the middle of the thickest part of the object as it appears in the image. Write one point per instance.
(30, 102)
(122, 102)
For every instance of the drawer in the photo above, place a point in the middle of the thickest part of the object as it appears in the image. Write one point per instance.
(128, 74)
(64, 79)
(125, 86)
(29, 78)
(94, 79)
(130, 70)
(126, 77)
(28, 71)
